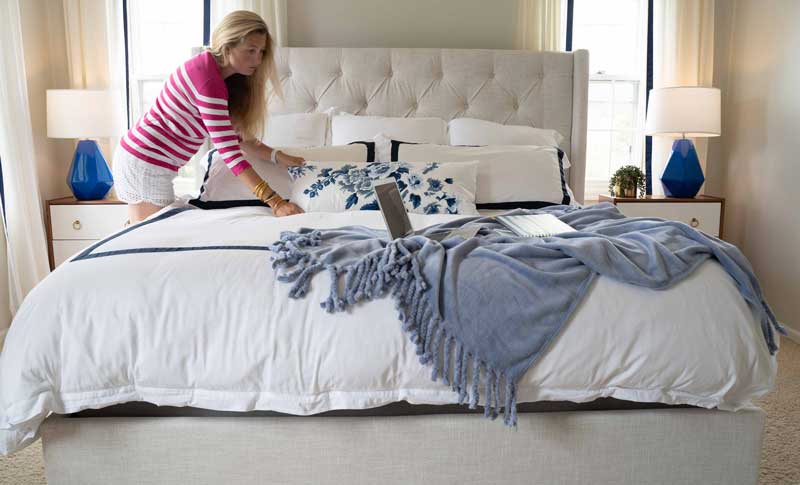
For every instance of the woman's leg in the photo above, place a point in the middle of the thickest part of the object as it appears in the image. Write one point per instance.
(141, 211)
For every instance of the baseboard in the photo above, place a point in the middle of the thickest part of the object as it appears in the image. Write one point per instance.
(794, 335)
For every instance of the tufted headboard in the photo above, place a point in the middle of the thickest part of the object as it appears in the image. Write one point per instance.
(541, 89)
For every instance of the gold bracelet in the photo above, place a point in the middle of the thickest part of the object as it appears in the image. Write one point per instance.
(269, 201)
(261, 189)
(280, 203)
(258, 190)
(269, 196)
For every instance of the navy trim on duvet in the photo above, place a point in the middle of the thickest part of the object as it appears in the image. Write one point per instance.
(524, 204)
(89, 253)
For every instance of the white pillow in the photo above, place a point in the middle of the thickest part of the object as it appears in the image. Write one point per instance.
(346, 128)
(221, 189)
(426, 188)
(296, 130)
(469, 131)
(508, 176)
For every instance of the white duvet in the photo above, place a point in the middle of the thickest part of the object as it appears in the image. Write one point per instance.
(214, 329)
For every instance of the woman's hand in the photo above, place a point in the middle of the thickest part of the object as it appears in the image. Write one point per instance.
(287, 209)
(285, 160)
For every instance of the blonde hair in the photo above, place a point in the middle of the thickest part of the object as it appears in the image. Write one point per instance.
(247, 95)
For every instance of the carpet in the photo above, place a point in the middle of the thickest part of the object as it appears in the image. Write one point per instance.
(780, 456)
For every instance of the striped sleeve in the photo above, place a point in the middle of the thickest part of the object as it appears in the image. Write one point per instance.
(211, 100)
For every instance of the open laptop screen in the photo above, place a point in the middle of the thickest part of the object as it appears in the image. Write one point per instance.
(392, 208)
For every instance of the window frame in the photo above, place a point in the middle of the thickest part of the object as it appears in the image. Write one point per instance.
(594, 187)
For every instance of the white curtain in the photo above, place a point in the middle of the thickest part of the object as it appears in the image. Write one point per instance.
(22, 220)
(96, 51)
(683, 55)
(539, 25)
(272, 11)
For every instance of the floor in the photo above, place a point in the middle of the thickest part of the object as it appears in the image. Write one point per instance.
(780, 460)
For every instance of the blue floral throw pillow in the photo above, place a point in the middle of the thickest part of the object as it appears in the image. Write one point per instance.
(426, 188)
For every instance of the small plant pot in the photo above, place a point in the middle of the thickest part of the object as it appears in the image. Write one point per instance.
(626, 192)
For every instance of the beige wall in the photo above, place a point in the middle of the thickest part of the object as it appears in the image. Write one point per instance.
(45, 68)
(761, 144)
(466, 24)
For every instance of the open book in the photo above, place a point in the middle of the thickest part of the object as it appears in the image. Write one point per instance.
(535, 225)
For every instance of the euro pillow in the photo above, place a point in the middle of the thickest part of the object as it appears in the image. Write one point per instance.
(426, 188)
(471, 132)
(509, 177)
(296, 130)
(221, 189)
(347, 128)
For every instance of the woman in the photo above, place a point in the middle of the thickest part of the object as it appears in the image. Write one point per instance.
(221, 94)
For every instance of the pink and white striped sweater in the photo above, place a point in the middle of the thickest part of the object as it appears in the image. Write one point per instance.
(192, 105)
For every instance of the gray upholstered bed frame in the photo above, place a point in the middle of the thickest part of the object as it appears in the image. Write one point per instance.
(648, 446)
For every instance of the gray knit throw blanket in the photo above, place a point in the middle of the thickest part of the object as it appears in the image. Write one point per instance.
(482, 311)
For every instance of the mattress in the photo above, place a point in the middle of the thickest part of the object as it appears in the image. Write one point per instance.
(186, 312)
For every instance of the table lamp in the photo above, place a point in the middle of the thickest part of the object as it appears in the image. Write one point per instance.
(83, 114)
(684, 112)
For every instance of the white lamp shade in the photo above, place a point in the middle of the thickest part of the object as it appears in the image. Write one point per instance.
(684, 111)
(81, 113)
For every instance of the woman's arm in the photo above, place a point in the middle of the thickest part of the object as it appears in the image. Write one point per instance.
(256, 149)
(279, 207)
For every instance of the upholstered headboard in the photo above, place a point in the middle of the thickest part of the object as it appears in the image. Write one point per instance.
(541, 89)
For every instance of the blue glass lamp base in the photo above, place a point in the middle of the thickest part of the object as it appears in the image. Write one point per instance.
(683, 175)
(89, 177)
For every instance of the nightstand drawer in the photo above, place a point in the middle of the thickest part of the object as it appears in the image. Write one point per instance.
(702, 216)
(64, 249)
(87, 222)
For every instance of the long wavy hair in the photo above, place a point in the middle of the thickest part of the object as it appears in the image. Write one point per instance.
(247, 95)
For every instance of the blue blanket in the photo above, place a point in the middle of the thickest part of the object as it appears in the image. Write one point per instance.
(481, 311)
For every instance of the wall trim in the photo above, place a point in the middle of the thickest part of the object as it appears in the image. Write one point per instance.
(794, 334)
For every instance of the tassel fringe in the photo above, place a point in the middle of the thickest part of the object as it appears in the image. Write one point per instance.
(396, 271)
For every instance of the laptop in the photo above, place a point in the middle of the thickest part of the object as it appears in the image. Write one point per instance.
(396, 217)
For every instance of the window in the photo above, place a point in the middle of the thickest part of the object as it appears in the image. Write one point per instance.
(161, 36)
(615, 34)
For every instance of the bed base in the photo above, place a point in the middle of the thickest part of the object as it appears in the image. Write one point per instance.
(687, 446)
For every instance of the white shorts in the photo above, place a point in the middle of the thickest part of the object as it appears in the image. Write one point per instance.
(137, 181)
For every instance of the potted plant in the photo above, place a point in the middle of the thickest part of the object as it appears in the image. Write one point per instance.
(626, 182)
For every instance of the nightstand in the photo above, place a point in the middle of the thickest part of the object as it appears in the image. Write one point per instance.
(73, 225)
(703, 212)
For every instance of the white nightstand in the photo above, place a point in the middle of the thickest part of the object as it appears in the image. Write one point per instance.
(73, 225)
(704, 212)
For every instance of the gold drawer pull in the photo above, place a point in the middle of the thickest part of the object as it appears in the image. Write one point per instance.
(76, 225)
(694, 222)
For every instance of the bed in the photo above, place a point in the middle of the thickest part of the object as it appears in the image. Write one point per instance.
(293, 395)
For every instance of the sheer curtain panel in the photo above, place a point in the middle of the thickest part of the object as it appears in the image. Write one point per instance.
(22, 220)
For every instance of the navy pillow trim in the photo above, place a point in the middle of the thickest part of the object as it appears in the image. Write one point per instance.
(227, 204)
(370, 149)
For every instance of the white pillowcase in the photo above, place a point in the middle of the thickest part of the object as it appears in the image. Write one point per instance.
(470, 131)
(426, 188)
(222, 189)
(296, 130)
(346, 128)
(508, 176)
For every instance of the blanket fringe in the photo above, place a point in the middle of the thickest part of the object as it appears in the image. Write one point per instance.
(395, 270)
